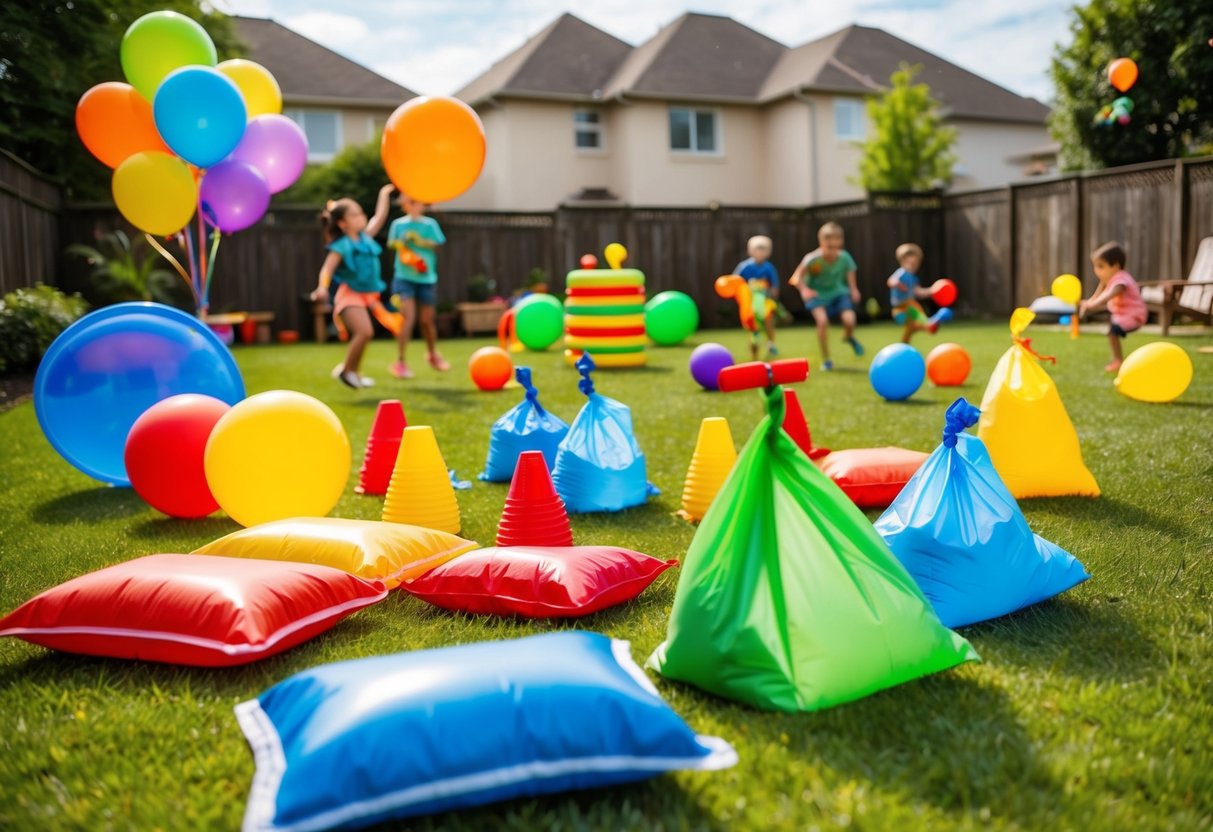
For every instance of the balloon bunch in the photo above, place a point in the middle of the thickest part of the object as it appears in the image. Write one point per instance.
(190, 135)
(1122, 74)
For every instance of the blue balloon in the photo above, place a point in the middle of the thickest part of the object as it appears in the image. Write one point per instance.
(200, 114)
(897, 372)
(1064, 320)
(107, 368)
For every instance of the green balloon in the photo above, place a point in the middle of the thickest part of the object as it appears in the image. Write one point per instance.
(670, 317)
(160, 42)
(539, 321)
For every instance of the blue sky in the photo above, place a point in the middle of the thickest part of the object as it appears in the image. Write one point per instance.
(437, 46)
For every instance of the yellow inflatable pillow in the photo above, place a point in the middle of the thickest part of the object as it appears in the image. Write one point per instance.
(371, 549)
(1026, 428)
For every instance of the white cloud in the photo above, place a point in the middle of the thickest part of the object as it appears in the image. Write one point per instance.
(342, 32)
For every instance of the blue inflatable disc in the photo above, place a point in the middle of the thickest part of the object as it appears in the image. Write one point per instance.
(107, 368)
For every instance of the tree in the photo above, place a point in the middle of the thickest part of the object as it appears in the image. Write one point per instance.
(50, 54)
(1173, 108)
(910, 148)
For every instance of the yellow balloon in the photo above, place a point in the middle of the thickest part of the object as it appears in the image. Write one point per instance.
(615, 255)
(1067, 288)
(155, 192)
(1157, 372)
(1020, 319)
(257, 85)
(276, 455)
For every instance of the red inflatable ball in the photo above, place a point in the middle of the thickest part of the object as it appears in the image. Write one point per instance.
(588, 261)
(164, 454)
(948, 365)
(490, 368)
(943, 292)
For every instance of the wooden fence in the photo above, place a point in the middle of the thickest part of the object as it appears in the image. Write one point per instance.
(1002, 246)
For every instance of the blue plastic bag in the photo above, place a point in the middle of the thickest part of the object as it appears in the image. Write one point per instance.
(957, 529)
(354, 743)
(524, 427)
(599, 466)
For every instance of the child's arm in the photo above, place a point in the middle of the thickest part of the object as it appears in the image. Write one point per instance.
(1099, 299)
(922, 292)
(426, 242)
(894, 281)
(382, 206)
(799, 283)
(326, 276)
(853, 280)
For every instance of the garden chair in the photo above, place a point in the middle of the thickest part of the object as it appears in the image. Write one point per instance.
(1192, 298)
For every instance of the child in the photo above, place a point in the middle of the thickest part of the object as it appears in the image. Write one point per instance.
(415, 236)
(1118, 291)
(353, 259)
(904, 291)
(763, 281)
(830, 289)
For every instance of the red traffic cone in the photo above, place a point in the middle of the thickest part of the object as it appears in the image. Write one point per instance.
(534, 514)
(796, 425)
(382, 446)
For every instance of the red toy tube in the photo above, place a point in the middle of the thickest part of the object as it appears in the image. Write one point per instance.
(758, 374)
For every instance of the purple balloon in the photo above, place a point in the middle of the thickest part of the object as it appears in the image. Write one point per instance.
(277, 147)
(707, 360)
(234, 195)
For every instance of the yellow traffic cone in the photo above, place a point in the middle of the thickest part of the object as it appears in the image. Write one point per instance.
(420, 492)
(710, 466)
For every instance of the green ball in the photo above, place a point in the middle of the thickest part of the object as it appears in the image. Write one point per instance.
(670, 317)
(539, 321)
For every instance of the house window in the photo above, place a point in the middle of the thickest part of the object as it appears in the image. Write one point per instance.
(587, 130)
(377, 123)
(848, 119)
(694, 131)
(323, 131)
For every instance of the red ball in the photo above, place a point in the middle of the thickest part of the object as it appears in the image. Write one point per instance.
(589, 261)
(943, 292)
(490, 368)
(164, 454)
(948, 365)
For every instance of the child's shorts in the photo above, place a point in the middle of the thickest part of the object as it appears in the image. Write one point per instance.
(833, 307)
(347, 298)
(426, 294)
(914, 309)
(1122, 327)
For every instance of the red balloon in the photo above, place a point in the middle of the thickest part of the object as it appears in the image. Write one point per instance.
(164, 454)
(943, 292)
(948, 365)
(589, 261)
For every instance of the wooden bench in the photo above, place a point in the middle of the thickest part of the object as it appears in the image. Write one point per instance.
(253, 327)
(321, 311)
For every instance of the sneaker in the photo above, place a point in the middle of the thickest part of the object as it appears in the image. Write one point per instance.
(772, 351)
(941, 317)
(399, 369)
(827, 364)
(350, 379)
(363, 381)
(855, 345)
(438, 362)
(366, 381)
(1112, 367)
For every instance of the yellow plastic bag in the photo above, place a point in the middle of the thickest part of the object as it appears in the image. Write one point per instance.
(1026, 428)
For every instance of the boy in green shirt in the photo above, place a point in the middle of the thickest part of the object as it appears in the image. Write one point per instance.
(826, 279)
(415, 238)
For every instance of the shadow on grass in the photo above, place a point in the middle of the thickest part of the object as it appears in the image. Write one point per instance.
(172, 528)
(102, 503)
(1109, 511)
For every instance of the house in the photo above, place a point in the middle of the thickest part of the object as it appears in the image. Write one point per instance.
(337, 102)
(711, 111)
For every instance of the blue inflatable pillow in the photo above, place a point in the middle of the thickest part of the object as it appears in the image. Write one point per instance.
(524, 427)
(961, 535)
(354, 743)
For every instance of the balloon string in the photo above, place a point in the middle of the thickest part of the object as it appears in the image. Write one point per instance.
(206, 294)
(167, 255)
(1026, 343)
(201, 258)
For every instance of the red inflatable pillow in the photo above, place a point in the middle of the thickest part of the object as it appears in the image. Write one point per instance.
(191, 609)
(538, 581)
(871, 477)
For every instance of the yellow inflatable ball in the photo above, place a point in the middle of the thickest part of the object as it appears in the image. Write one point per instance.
(276, 455)
(1157, 372)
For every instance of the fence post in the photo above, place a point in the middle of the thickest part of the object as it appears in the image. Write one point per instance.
(1179, 234)
(1012, 238)
(1080, 220)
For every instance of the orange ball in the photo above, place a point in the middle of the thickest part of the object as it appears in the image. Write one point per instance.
(948, 365)
(490, 368)
(433, 148)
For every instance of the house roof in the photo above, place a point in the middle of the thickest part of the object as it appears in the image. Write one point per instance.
(569, 58)
(309, 73)
(711, 57)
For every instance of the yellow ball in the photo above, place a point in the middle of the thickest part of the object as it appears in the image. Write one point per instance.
(1157, 372)
(276, 455)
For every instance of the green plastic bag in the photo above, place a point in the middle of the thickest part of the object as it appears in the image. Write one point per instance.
(788, 598)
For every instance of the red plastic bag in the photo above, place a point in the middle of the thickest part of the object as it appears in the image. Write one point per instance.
(872, 477)
(538, 581)
(191, 609)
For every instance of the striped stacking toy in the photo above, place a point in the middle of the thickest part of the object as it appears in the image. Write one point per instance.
(604, 313)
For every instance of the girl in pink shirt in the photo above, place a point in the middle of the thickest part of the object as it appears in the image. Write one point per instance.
(1118, 291)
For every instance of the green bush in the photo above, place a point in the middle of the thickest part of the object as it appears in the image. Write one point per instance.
(30, 319)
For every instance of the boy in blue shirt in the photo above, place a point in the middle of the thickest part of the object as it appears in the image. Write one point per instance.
(415, 238)
(904, 291)
(763, 280)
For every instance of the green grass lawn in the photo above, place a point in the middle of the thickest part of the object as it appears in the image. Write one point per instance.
(1092, 711)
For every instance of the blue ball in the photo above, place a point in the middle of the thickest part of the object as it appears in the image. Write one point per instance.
(897, 372)
(107, 368)
(707, 360)
(200, 114)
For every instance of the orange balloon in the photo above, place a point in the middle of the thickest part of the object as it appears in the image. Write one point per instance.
(948, 365)
(490, 368)
(115, 122)
(433, 148)
(1122, 73)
